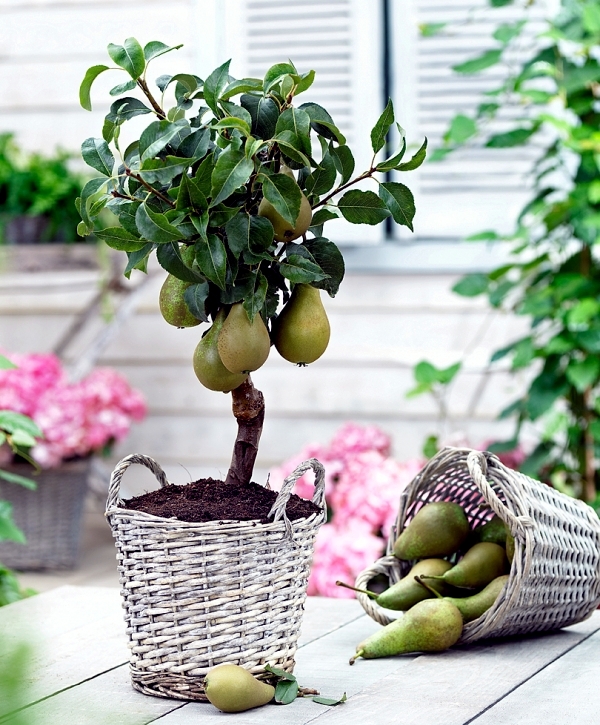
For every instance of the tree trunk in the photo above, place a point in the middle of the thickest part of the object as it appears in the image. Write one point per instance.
(249, 410)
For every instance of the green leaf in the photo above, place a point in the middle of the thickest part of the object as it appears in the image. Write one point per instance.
(275, 73)
(232, 122)
(12, 422)
(157, 135)
(416, 160)
(6, 364)
(500, 3)
(487, 236)
(88, 192)
(254, 302)
(86, 85)
(344, 161)
(427, 374)
(155, 227)
(242, 86)
(506, 32)
(155, 48)
(298, 122)
(301, 270)
(330, 260)
(126, 211)
(331, 701)
(322, 122)
(524, 353)
(231, 171)
(583, 312)
(212, 259)
(190, 196)
(121, 239)
(9, 531)
(195, 297)
(96, 154)
(123, 88)
(461, 129)
(382, 127)
(169, 257)
(583, 374)
(204, 173)
(286, 691)
(195, 145)
(400, 202)
(215, 85)
(322, 179)
(472, 285)
(428, 30)
(292, 147)
(393, 162)
(284, 194)
(589, 340)
(516, 137)
(138, 260)
(363, 207)
(19, 480)
(591, 18)
(246, 232)
(481, 62)
(264, 112)
(128, 56)
(124, 109)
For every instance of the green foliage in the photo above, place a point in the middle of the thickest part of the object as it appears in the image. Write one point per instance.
(36, 185)
(554, 273)
(200, 169)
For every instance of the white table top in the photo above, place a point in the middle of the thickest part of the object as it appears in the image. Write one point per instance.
(79, 675)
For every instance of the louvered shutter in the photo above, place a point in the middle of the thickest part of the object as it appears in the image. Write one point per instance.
(476, 188)
(341, 41)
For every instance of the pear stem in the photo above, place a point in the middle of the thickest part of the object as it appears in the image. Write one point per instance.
(249, 410)
(356, 656)
(373, 595)
(431, 589)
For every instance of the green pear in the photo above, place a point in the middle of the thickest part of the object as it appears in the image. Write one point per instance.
(243, 345)
(283, 230)
(301, 332)
(494, 530)
(438, 529)
(432, 625)
(481, 563)
(208, 366)
(477, 604)
(232, 688)
(404, 594)
(510, 547)
(172, 304)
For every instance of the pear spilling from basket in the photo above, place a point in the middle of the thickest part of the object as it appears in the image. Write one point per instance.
(437, 593)
(232, 688)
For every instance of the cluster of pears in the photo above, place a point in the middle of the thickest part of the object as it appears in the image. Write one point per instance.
(440, 597)
(231, 688)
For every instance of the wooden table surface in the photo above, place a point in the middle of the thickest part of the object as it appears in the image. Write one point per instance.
(78, 673)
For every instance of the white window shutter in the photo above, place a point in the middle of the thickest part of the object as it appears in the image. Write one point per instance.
(341, 41)
(475, 188)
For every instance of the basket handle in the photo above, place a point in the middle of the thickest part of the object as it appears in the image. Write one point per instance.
(116, 476)
(478, 468)
(278, 508)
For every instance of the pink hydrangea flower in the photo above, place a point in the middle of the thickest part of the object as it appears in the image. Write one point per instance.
(76, 418)
(362, 490)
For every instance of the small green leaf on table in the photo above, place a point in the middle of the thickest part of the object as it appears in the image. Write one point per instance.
(331, 701)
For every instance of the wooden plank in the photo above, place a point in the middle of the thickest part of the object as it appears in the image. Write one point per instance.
(109, 697)
(565, 691)
(453, 687)
(74, 634)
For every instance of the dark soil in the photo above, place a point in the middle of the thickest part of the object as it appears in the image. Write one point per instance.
(210, 500)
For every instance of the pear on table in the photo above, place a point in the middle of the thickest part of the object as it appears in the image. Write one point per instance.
(232, 688)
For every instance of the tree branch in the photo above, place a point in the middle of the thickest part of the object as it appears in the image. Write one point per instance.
(249, 410)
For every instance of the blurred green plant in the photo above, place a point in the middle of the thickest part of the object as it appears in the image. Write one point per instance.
(14, 666)
(37, 195)
(18, 432)
(553, 276)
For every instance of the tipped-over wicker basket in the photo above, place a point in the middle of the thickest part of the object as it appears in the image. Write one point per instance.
(555, 574)
(200, 594)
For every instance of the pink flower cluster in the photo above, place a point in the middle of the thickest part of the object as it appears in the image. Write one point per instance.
(362, 489)
(76, 418)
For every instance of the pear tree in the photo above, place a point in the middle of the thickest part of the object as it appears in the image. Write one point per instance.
(231, 184)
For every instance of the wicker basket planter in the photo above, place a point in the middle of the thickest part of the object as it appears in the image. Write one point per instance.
(50, 517)
(200, 594)
(555, 574)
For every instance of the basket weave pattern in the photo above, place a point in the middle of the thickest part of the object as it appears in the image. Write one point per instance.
(202, 594)
(50, 517)
(555, 574)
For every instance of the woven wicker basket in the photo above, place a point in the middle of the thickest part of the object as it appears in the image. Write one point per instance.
(50, 517)
(555, 574)
(201, 594)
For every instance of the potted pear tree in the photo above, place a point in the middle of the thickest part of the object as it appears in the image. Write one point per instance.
(230, 185)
